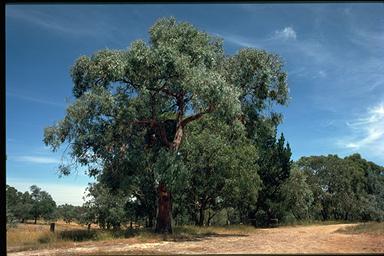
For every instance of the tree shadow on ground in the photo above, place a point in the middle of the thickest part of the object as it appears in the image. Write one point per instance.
(180, 234)
(183, 237)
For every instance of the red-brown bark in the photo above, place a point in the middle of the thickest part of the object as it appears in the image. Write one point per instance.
(163, 224)
(164, 212)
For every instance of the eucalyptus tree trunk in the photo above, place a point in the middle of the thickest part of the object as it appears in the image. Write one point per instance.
(201, 216)
(150, 221)
(52, 227)
(164, 211)
(163, 223)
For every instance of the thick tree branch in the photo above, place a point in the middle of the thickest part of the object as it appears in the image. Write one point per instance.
(163, 136)
(196, 116)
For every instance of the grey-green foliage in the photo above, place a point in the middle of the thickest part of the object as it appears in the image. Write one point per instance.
(133, 107)
(43, 206)
(342, 188)
(220, 169)
(259, 75)
(87, 214)
(24, 206)
(18, 204)
(371, 187)
(10, 218)
(180, 75)
(68, 212)
(297, 194)
(104, 207)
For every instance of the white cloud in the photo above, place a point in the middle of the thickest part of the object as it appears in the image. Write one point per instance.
(322, 73)
(36, 159)
(312, 52)
(37, 100)
(285, 34)
(367, 132)
(237, 40)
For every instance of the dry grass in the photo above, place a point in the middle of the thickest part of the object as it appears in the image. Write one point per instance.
(34, 236)
(25, 234)
(37, 236)
(371, 228)
(299, 223)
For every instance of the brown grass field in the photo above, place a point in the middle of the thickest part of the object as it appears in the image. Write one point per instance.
(73, 239)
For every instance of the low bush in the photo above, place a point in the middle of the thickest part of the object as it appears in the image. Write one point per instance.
(78, 235)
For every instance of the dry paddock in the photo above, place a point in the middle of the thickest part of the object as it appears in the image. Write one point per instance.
(300, 239)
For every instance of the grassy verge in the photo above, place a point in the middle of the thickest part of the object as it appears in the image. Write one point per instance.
(30, 236)
(314, 222)
(372, 228)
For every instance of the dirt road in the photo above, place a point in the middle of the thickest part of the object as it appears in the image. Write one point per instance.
(302, 239)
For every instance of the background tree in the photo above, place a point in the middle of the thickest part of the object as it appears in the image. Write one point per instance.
(11, 220)
(12, 200)
(19, 204)
(263, 85)
(43, 205)
(275, 165)
(220, 162)
(87, 215)
(143, 99)
(340, 187)
(107, 208)
(67, 212)
(298, 196)
(371, 189)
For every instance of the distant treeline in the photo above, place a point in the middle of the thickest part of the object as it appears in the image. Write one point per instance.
(317, 188)
(21, 207)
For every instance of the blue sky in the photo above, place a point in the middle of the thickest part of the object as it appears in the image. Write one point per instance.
(333, 53)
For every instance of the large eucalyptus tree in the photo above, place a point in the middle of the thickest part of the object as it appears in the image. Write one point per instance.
(135, 104)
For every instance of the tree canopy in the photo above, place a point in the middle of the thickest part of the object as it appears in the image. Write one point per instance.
(34, 205)
(135, 105)
(349, 188)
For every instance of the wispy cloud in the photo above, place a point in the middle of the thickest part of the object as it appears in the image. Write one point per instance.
(367, 132)
(351, 77)
(238, 40)
(37, 100)
(45, 20)
(35, 159)
(67, 23)
(287, 43)
(322, 73)
(287, 33)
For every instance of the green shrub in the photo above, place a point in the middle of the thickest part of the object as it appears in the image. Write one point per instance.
(78, 235)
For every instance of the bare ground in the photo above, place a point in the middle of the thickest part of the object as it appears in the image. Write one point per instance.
(300, 239)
